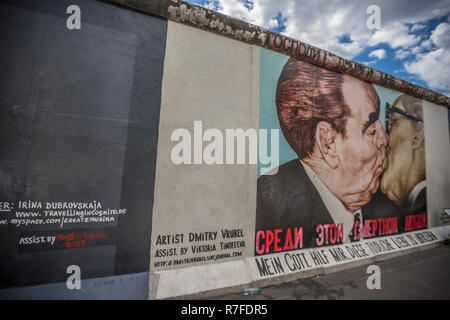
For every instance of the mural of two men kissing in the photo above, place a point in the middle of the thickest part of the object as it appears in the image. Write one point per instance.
(359, 170)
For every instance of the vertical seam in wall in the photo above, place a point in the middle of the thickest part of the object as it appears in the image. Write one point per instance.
(158, 154)
(253, 172)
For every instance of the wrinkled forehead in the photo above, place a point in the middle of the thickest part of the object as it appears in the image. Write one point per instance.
(360, 96)
(410, 105)
(399, 104)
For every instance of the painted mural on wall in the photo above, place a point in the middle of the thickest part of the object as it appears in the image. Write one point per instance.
(352, 159)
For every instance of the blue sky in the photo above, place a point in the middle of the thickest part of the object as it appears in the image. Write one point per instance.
(413, 41)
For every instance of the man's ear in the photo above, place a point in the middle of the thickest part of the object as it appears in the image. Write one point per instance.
(418, 138)
(326, 144)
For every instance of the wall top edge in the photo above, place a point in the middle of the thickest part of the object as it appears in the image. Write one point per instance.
(212, 21)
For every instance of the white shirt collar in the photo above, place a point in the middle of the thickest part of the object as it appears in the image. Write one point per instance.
(334, 206)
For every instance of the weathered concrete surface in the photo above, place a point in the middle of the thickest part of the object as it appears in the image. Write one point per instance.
(437, 159)
(419, 275)
(203, 82)
(193, 15)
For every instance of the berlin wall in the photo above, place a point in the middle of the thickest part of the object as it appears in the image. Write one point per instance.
(165, 150)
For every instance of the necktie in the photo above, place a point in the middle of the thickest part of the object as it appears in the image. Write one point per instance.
(356, 217)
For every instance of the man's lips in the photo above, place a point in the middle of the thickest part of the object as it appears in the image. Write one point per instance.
(377, 169)
(378, 163)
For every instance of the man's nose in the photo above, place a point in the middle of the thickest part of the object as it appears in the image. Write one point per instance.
(382, 136)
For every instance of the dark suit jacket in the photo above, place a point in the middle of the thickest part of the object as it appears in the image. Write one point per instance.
(289, 199)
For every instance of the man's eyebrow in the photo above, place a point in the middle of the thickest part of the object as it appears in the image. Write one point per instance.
(373, 117)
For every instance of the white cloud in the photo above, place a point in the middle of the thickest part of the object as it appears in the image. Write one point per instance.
(273, 23)
(322, 23)
(402, 54)
(429, 67)
(379, 54)
(418, 26)
(396, 35)
(441, 36)
(433, 66)
(368, 63)
(425, 45)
